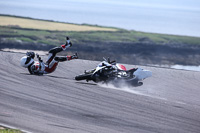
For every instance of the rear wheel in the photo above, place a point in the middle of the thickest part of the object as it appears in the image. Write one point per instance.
(83, 77)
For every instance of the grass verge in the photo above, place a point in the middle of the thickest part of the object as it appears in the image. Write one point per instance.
(8, 130)
(50, 32)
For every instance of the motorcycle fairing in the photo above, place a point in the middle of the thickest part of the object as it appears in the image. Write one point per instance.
(121, 67)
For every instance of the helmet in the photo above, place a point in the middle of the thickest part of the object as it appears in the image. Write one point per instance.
(26, 61)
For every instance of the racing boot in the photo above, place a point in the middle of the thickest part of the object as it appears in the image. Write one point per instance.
(61, 58)
(67, 44)
(66, 58)
(75, 56)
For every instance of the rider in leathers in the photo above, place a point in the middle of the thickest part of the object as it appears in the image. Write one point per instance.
(39, 67)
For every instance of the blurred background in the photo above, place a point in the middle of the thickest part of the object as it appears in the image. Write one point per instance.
(180, 17)
(141, 32)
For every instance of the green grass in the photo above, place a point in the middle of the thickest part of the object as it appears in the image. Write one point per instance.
(24, 39)
(118, 35)
(6, 130)
(58, 37)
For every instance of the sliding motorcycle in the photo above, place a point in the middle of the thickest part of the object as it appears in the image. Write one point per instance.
(111, 72)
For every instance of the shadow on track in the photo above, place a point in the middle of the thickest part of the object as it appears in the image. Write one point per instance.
(58, 77)
(86, 83)
(25, 73)
(47, 76)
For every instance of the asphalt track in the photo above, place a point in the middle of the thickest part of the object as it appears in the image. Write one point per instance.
(168, 102)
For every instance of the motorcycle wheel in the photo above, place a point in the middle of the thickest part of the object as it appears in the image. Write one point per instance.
(83, 77)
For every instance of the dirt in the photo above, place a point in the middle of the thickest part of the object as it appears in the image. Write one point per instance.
(1, 128)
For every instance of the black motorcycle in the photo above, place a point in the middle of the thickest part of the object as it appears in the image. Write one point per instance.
(112, 72)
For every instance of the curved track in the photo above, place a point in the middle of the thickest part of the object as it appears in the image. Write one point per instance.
(167, 102)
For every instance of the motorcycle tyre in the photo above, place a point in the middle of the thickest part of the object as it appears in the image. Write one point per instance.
(83, 77)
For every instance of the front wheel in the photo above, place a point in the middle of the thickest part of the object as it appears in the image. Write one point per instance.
(83, 77)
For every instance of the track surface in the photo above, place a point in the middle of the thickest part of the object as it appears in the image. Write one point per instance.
(56, 103)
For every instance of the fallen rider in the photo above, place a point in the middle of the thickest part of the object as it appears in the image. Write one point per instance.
(39, 67)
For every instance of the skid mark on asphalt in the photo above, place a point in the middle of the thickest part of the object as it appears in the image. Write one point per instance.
(130, 90)
(139, 92)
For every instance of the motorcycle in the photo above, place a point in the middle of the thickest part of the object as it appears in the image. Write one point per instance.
(111, 72)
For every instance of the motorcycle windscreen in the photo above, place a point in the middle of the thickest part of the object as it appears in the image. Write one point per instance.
(141, 74)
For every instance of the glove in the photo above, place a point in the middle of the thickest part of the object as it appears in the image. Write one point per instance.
(68, 42)
(39, 58)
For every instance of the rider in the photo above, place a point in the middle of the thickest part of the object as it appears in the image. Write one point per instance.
(39, 67)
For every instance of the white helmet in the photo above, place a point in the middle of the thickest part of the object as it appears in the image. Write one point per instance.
(26, 61)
